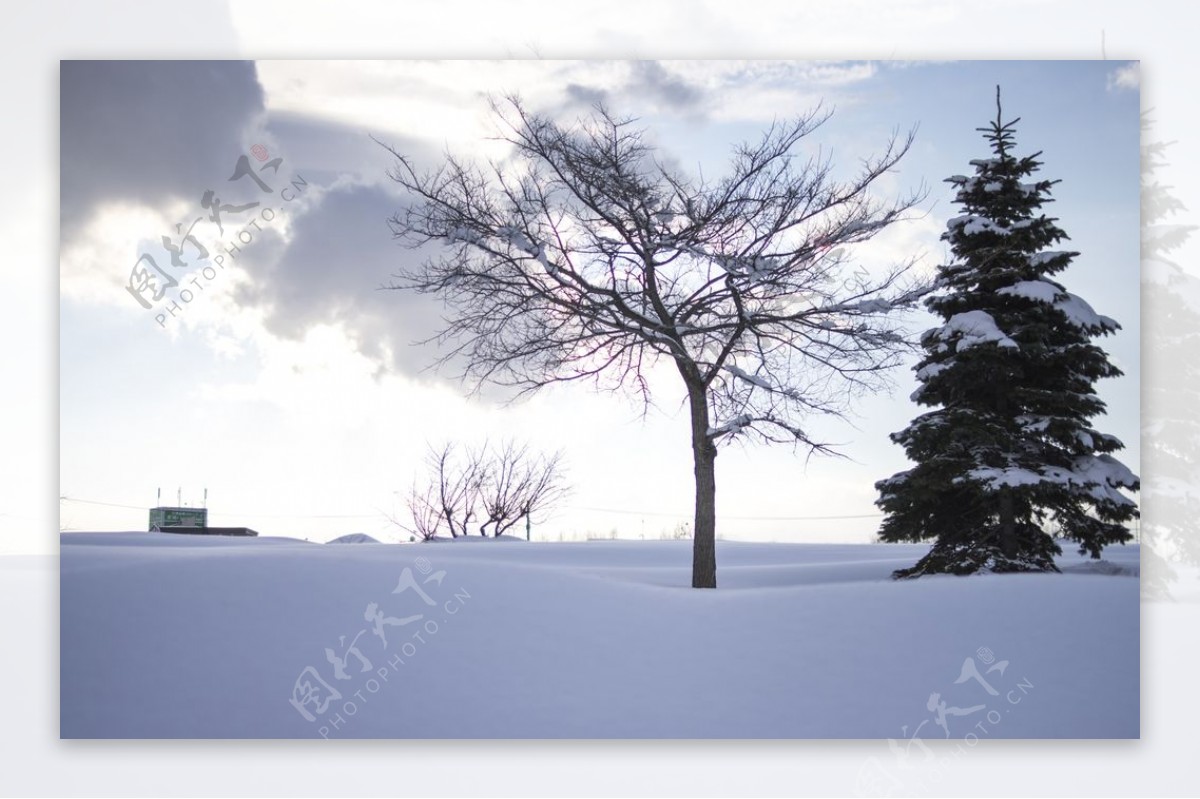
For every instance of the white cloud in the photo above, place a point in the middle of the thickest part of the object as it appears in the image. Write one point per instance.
(441, 101)
(95, 265)
(1125, 77)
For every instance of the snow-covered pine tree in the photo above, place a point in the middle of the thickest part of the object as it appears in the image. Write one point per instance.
(1171, 383)
(1008, 448)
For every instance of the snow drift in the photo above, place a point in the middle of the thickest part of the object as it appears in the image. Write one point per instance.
(181, 636)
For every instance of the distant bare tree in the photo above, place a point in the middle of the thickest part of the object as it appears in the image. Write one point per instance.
(518, 486)
(425, 510)
(497, 488)
(586, 257)
(458, 481)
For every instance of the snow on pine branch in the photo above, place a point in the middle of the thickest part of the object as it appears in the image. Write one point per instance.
(1088, 438)
(971, 224)
(930, 371)
(1075, 308)
(972, 328)
(967, 185)
(1100, 476)
(1043, 258)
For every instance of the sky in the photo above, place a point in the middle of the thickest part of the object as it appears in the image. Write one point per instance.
(287, 384)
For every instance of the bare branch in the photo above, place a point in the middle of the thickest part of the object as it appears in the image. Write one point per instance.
(494, 488)
(584, 257)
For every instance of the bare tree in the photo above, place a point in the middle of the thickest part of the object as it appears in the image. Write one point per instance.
(497, 488)
(426, 513)
(518, 486)
(447, 499)
(588, 258)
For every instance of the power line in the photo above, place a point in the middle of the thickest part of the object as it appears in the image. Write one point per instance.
(234, 513)
(577, 508)
(299, 515)
(98, 502)
(734, 518)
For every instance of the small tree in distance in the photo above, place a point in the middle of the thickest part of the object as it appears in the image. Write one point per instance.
(1010, 374)
(484, 491)
(586, 257)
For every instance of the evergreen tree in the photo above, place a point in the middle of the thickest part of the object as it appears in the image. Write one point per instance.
(1008, 448)
(1171, 378)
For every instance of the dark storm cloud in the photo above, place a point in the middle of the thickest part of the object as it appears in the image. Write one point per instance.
(578, 94)
(340, 250)
(331, 271)
(149, 132)
(324, 150)
(648, 81)
(651, 78)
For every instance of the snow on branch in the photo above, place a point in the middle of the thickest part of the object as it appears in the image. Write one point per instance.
(1076, 309)
(972, 329)
(464, 235)
(516, 239)
(1043, 258)
(732, 427)
(749, 378)
(968, 185)
(971, 224)
(1099, 476)
(872, 306)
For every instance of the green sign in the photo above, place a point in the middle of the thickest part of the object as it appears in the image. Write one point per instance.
(178, 517)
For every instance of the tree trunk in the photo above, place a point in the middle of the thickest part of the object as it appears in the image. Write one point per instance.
(1008, 527)
(704, 454)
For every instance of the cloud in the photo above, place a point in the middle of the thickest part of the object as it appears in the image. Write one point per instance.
(1125, 77)
(325, 260)
(128, 176)
(625, 85)
(580, 95)
(325, 151)
(332, 270)
(721, 90)
(652, 79)
(337, 253)
(149, 132)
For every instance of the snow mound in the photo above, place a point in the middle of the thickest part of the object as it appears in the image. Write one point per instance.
(1104, 567)
(584, 640)
(354, 538)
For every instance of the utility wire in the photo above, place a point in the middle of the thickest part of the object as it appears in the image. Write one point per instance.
(577, 508)
(735, 518)
(234, 513)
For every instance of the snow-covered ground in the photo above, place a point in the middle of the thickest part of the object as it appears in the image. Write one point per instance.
(187, 636)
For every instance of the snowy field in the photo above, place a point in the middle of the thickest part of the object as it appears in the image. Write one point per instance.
(185, 636)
